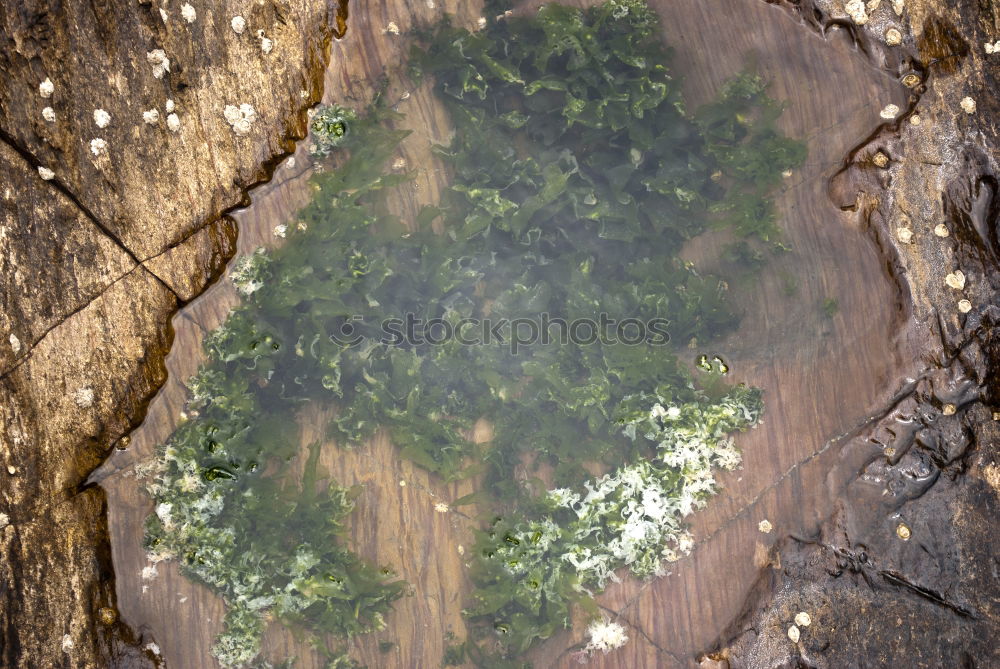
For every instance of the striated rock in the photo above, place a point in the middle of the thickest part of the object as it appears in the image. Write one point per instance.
(43, 228)
(57, 618)
(152, 186)
(82, 387)
(116, 167)
(195, 262)
(900, 574)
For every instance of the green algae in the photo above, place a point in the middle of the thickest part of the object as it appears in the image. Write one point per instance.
(578, 175)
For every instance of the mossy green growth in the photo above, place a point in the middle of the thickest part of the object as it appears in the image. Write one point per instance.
(578, 175)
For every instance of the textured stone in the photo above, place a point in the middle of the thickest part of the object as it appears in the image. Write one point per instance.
(83, 327)
(53, 259)
(83, 386)
(52, 596)
(198, 260)
(900, 574)
(153, 187)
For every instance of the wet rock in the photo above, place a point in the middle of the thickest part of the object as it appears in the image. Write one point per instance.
(901, 574)
(151, 188)
(111, 216)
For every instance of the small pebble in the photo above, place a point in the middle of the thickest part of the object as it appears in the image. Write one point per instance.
(49, 114)
(948, 409)
(402, 484)
(45, 173)
(98, 146)
(169, 106)
(968, 105)
(903, 532)
(46, 88)
(238, 24)
(802, 619)
(915, 119)
(765, 526)
(880, 160)
(893, 37)
(392, 28)
(266, 45)
(964, 306)
(905, 235)
(441, 507)
(897, 6)
(889, 112)
(188, 13)
(11, 469)
(941, 230)
(15, 343)
(794, 634)
(173, 122)
(151, 117)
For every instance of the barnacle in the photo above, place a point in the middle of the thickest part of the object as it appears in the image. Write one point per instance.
(330, 127)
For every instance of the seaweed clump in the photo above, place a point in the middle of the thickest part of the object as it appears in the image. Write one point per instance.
(577, 177)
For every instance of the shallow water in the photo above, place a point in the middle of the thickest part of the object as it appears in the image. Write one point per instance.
(820, 370)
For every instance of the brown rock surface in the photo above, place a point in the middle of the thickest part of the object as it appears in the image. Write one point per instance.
(157, 197)
(903, 572)
(95, 261)
(803, 359)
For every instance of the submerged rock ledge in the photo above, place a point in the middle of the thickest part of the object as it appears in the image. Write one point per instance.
(901, 571)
